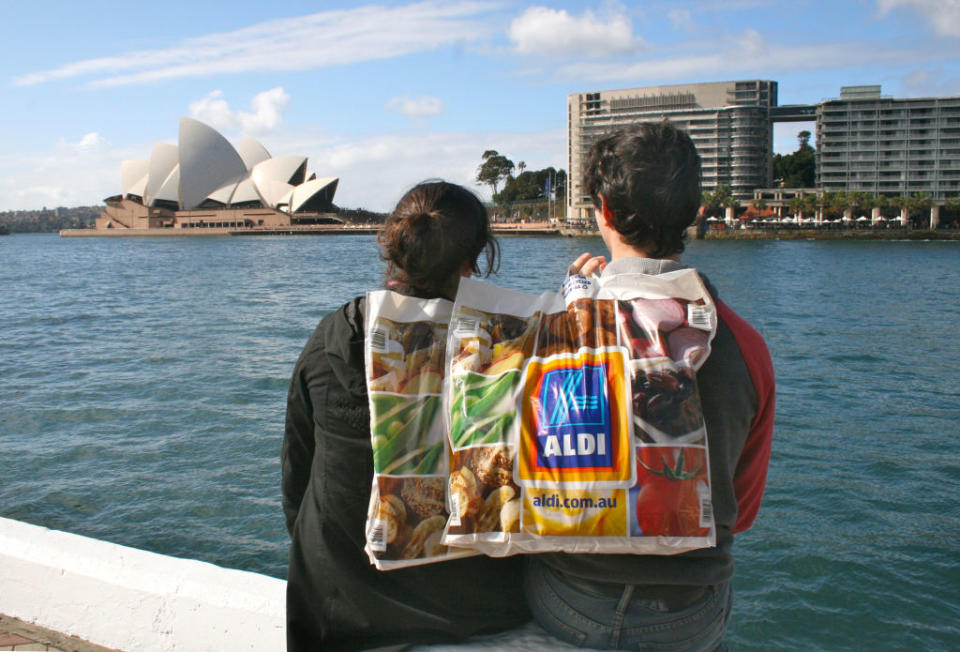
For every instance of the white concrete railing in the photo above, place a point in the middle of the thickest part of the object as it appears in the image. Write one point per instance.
(131, 599)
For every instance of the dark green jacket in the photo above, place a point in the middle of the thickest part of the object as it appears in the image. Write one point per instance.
(335, 598)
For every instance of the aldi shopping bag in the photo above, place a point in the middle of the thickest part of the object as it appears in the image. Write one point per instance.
(574, 419)
(404, 358)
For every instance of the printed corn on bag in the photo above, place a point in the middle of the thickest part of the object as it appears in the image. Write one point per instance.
(574, 419)
(404, 358)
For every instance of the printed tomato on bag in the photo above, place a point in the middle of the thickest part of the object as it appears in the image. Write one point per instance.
(583, 431)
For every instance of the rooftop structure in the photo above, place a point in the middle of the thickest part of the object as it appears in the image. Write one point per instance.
(205, 182)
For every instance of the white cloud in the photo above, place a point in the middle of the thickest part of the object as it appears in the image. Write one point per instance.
(401, 160)
(745, 54)
(267, 114)
(541, 30)
(930, 83)
(417, 109)
(67, 173)
(395, 162)
(318, 40)
(681, 19)
(943, 15)
(89, 141)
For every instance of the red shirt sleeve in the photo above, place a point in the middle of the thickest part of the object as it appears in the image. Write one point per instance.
(750, 478)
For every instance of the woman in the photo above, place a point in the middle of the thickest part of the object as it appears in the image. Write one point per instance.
(335, 598)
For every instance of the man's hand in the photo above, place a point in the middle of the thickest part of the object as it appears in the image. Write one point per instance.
(587, 265)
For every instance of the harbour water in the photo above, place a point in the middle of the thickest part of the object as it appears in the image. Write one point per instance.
(142, 389)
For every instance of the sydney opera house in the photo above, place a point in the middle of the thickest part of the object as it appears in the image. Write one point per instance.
(206, 183)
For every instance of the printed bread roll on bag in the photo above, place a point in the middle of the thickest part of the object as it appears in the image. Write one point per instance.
(574, 419)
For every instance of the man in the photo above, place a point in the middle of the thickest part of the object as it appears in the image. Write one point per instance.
(645, 184)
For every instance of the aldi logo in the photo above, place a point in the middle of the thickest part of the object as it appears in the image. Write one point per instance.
(575, 421)
(575, 432)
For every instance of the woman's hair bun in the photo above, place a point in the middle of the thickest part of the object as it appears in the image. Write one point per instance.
(435, 230)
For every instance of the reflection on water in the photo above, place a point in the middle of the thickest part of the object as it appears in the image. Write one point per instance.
(143, 381)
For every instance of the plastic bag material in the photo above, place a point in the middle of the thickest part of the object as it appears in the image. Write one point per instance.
(575, 421)
(404, 358)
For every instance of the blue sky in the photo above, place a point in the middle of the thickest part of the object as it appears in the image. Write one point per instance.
(384, 95)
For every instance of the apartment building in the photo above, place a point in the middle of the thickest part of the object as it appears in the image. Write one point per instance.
(865, 141)
(729, 122)
(882, 145)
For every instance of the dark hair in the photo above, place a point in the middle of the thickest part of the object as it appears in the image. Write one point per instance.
(649, 174)
(435, 228)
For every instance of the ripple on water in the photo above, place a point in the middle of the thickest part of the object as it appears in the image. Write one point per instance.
(143, 383)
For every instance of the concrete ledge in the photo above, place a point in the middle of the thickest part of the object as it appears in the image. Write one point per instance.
(131, 599)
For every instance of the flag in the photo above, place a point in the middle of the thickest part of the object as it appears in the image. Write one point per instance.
(546, 187)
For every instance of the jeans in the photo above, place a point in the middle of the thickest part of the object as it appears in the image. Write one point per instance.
(630, 622)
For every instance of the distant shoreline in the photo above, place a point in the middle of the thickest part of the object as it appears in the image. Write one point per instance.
(517, 229)
(833, 234)
(538, 229)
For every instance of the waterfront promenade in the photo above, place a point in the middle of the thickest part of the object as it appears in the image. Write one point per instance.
(754, 232)
(501, 229)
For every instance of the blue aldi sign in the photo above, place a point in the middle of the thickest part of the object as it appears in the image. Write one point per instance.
(575, 429)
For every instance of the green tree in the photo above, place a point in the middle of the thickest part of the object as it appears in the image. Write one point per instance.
(838, 203)
(720, 197)
(797, 170)
(824, 202)
(920, 205)
(797, 205)
(710, 203)
(900, 203)
(530, 185)
(494, 169)
(883, 203)
(952, 204)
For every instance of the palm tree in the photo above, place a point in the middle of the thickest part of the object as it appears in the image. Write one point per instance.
(952, 206)
(824, 202)
(796, 206)
(840, 204)
(810, 203)
(901, 204)
(882, 202)
(731, 203)
(921, 201)
(710, 203)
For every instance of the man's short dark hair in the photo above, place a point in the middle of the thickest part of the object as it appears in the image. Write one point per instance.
(649, 174)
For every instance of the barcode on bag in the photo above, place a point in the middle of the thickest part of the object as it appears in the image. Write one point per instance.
(700, 316)
(706, 512)
(378, 340)
(377, 537)
(467, 326)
